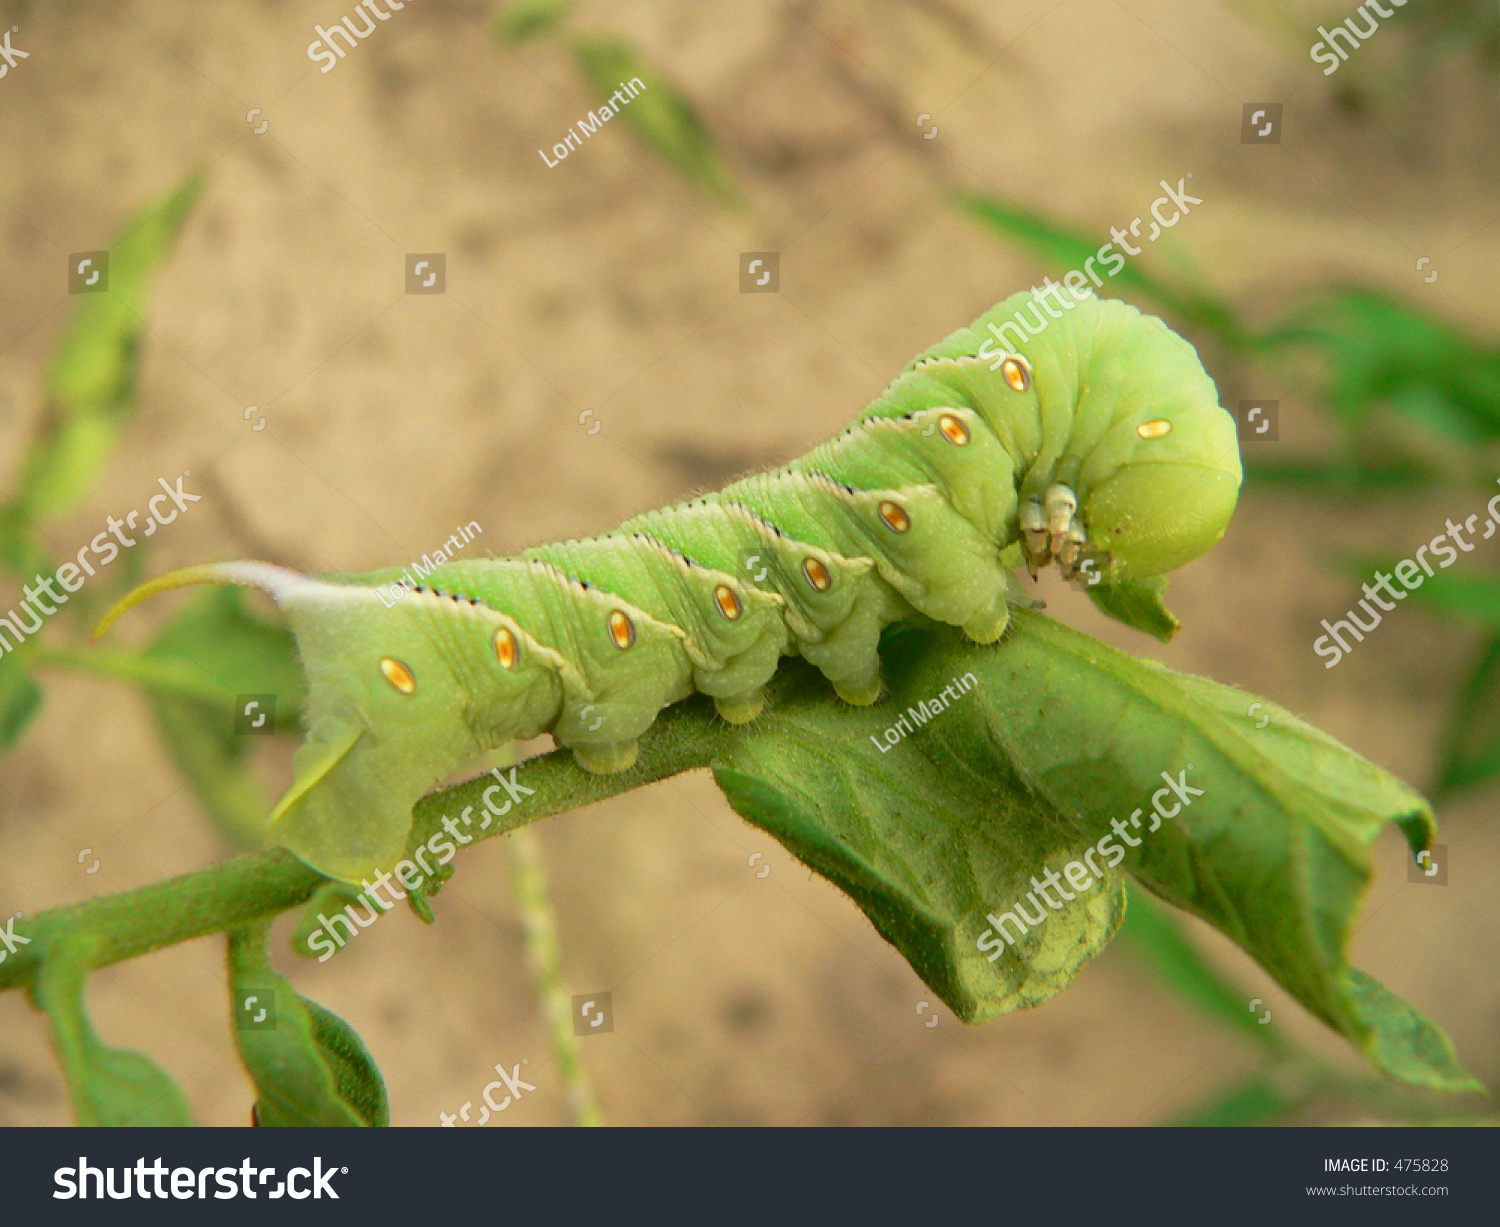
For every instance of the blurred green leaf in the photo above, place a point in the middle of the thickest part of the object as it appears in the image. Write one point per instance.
(173, 677)
(1470, 747)
(238, 656)
(1139, 604)
(309, 1067)
(91, 384)
(109, 1086)
(517, 20)
(1463, 594)
(1062, 733)
(1471, 742)
(1341, 477)
(1442, 27)
(661, 117)
(1383, 353)
(20, 700)
(212, 763)
(1262, 1098)
(1159, 939)
(22, 552)
(1065, 250)
(236, 652)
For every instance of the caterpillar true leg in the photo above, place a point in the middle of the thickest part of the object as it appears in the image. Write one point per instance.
(1059, 504)
(1033, 524)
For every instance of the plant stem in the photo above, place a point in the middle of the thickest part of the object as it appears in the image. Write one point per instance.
(544, 959)
(261, 884)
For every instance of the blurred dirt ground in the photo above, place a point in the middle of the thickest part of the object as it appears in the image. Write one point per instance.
(608, 285)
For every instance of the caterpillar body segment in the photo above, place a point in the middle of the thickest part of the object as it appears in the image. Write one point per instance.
(1097, 438)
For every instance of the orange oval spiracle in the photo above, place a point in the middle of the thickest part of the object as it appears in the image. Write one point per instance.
(816, 574)
(398, 675)
(953, 430)
(505, 648)
(621, 629)
(1154, 429)
(894, 516)
(1017, 372)
(728, 601)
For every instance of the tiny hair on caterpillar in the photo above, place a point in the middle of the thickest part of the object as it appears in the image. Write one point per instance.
(1097, 443)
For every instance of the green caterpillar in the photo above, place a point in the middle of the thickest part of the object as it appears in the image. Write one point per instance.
(1098, 443)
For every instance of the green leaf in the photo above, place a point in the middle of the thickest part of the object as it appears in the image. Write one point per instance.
(91, 384)
(20, 700)
(1138, 604)
(331, 897)
(359, 1082)
(1153, 934)
(661, 117)
(308, 1065)
(1400, 1041)
(926, 836)
(109, 1086)
(517, 20)
(1059, 736)
(237, 655)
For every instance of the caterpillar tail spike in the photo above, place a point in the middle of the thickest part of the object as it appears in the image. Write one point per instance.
(263, 575)
(1093, 440)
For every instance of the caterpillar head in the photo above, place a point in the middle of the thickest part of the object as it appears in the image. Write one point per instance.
(1134, 469)
(1170, 497)
(400, 694)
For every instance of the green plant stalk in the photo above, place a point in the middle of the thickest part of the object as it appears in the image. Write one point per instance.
(261, 884)
(544, 960)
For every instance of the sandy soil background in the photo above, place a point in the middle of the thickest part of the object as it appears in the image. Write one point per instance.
(606, 284)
